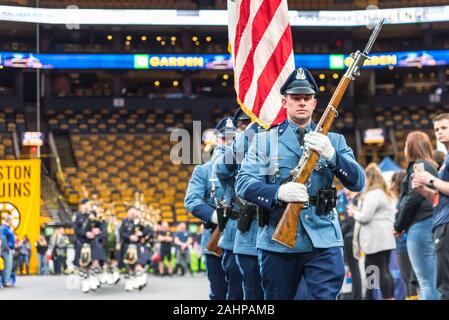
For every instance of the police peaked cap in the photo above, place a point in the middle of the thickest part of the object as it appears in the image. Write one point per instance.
(300, 81)
(239, 115)
(225, 124)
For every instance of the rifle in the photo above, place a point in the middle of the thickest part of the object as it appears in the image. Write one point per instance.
(212, 245)
(287, 227)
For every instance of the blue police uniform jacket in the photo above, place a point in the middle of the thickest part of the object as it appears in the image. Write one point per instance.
(227, 167)
(271, 157)
(198, 199)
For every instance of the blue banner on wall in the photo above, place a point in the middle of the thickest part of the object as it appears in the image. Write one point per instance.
(212, 61)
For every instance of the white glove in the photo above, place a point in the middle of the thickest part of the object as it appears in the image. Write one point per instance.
(293, 192)
(213, 217)
(321, 144)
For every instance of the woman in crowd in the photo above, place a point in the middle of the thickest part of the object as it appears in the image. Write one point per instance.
(24, 255)
(415, 215)
(374, 232)
(405, 266)
(41, 248)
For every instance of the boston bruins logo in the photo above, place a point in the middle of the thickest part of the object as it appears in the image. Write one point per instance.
(7, 208)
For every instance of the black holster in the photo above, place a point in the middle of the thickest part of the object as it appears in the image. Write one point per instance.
(262, 216)
(221, 218)
(326, 201)
(247, 214)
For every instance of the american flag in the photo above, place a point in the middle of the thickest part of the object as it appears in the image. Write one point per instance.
(260, 41)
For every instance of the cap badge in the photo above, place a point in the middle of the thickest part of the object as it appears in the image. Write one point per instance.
(300, 74)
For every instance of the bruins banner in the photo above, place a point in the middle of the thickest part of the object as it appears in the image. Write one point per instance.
(20, 192)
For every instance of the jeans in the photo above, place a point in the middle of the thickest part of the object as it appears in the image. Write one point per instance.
(421, 251)
(7, 257)
(24, 260)
(42, 266)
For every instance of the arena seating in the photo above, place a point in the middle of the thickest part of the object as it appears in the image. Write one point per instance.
(115, 166)
(117, 121)
(122, 152)
(405, 120)
(6, 146)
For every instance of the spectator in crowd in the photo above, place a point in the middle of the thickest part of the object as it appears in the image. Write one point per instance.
(24, 255)
(374, 232)
(183, 242)
(346, 197)
(58, 248)
(405, 266)
(197, 247)
(436, 190)
(2, 262)
(8, 244)
(41, 248)
(166, 239)
(415, 215)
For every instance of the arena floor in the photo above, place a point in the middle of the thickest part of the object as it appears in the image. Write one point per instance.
(66, 288)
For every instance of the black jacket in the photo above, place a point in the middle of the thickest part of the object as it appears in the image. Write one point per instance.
(413, 207)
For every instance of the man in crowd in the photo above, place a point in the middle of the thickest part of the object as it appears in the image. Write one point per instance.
(183, 242)
(437, 191)
(7, 248)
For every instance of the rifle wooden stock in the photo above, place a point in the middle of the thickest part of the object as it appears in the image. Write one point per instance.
(212, 245)
(287, 228)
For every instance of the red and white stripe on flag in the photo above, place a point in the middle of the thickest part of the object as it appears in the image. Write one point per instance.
(260, 41)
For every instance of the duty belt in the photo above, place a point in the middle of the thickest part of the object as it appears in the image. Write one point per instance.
(231, 214)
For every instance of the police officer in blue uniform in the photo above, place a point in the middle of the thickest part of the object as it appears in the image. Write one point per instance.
(263, 180)
(228, 221)
(202, 195)
(244, 249)
(89, 231)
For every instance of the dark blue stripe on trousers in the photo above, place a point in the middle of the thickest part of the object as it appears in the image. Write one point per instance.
(233, 276)
(252, 281)
(216, 276)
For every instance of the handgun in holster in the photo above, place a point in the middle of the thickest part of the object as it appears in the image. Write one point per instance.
(262, 216)
(247, 214)
(221, 217)
(326, 200)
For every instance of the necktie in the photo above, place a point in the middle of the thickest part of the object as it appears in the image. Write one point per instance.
(300, 135)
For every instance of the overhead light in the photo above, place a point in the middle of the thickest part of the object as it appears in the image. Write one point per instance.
(322, 88)
(208, 38)
(322, 76)
(157, 83)
(194, 38)
(173, 43)
(197, 43)
(390, 67)
(175, 83)
(162, 43)
(1, 67)
(109, 37)
(335, 75)
(158, 38)
(129, 38)
(225, 76)
(144, 38)
(224, 84)
(173, 38)
(127, 43)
